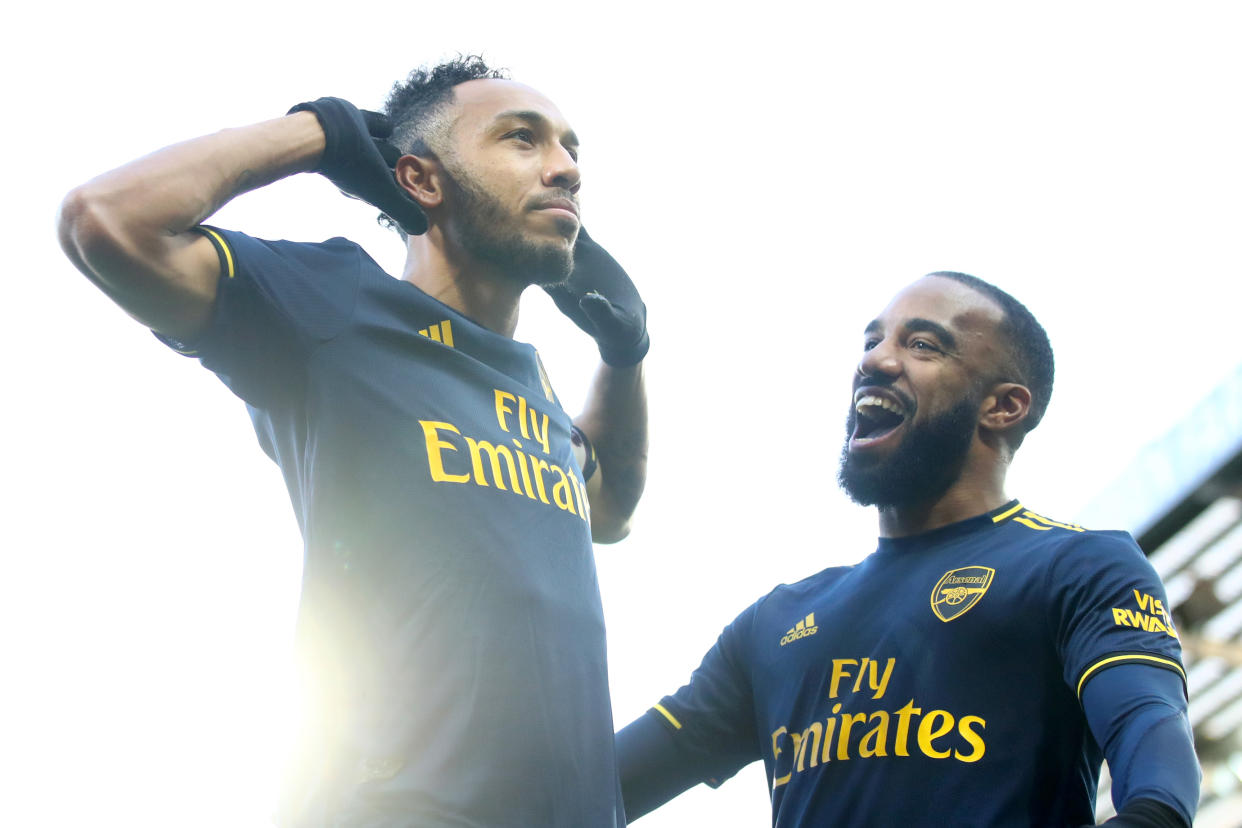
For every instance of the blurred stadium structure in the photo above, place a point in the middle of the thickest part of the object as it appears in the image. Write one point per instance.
(1181, 498)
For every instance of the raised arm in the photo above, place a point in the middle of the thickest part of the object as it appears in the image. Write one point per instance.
(615, 420)
(131, 230)
(600, 298)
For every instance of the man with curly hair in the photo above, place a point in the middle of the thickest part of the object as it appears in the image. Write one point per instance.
(450, 618)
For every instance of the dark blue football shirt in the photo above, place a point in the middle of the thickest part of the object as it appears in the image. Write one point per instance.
(935, 683)
(449, 604)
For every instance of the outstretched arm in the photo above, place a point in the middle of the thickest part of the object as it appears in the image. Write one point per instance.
(652, 768)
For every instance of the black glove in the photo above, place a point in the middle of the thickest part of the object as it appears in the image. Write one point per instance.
(600, 298)
(360, 162)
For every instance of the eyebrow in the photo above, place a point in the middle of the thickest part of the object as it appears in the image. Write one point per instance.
(918, 324)
(540, 120)
(940, 331)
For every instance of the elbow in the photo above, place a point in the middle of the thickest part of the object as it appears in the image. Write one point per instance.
(612, 522)
(610, 531)
(612, 512)
(81, 229)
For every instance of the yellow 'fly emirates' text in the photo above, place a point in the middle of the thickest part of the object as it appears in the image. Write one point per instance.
(842, 736)
(453, 457)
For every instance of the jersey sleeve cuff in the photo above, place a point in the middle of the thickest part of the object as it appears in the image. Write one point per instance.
(228, 270)
(1104, 663)
(665, 717)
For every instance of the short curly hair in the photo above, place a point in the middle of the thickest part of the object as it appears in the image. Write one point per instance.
(415, 106)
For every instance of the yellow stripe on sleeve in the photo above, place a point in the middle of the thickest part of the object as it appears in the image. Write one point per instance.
(229, 270)
(1104, 662)
(659, 708)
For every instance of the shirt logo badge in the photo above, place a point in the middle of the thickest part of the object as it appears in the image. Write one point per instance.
(802, 629)
(959, 590)
(441, 332)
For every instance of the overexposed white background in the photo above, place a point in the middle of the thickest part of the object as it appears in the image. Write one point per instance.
(769, 174)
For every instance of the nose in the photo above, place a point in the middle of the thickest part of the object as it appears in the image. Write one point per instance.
(880, 362)
(560, 170)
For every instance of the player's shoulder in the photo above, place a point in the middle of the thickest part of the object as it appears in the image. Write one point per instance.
(241, 251)
(800, 592)
(312, 285)
(1028, 525)
(1073, 549)
(767, 618)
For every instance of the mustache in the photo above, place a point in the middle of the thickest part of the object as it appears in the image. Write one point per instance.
(555, 195)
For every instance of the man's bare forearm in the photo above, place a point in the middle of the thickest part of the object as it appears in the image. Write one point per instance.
(128, 229)
(615, 420)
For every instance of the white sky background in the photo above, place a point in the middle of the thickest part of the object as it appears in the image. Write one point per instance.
(768, 174)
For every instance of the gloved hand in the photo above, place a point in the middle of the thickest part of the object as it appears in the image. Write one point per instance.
(360, 162)
(600, 298)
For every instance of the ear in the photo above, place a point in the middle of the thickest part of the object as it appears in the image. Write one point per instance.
(422, 179)
(1005, 407)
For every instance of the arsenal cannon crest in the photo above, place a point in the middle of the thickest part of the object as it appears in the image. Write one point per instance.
(959, 590)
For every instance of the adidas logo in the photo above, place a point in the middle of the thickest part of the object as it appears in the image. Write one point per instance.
(802, 629)
(440, 332)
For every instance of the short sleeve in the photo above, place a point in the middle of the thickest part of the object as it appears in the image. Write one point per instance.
(1109, 608)
(276, 301)
(712, 718)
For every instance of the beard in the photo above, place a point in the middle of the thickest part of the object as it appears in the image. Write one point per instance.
(921, 469)
(486, 230)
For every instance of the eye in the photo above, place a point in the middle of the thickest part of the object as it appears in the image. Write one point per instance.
(923, 345)
(524, 135)
(870, 343)
(573, 153)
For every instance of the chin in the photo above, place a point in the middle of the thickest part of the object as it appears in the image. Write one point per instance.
(541, 262)
(568, 230)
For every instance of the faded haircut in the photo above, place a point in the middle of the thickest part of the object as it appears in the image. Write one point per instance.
(417, 106)
(1030, 352)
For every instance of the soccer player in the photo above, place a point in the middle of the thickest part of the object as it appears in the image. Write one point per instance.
(449, 613)
(976, 668)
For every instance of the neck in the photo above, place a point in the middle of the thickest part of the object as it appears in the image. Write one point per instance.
(979, 489)
(478, 290)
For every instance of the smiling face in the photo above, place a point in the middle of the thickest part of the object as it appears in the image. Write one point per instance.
(511, 195)
(929, 362)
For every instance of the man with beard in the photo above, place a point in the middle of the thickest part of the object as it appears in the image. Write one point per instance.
(450, 616)
(976, 668)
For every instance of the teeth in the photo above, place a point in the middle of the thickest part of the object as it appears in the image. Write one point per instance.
(880, 402)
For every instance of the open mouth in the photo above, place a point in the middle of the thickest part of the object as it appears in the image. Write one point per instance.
(877, 417)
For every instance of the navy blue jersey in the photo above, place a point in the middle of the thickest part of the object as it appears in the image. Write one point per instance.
(935, 683)
(449, 598)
